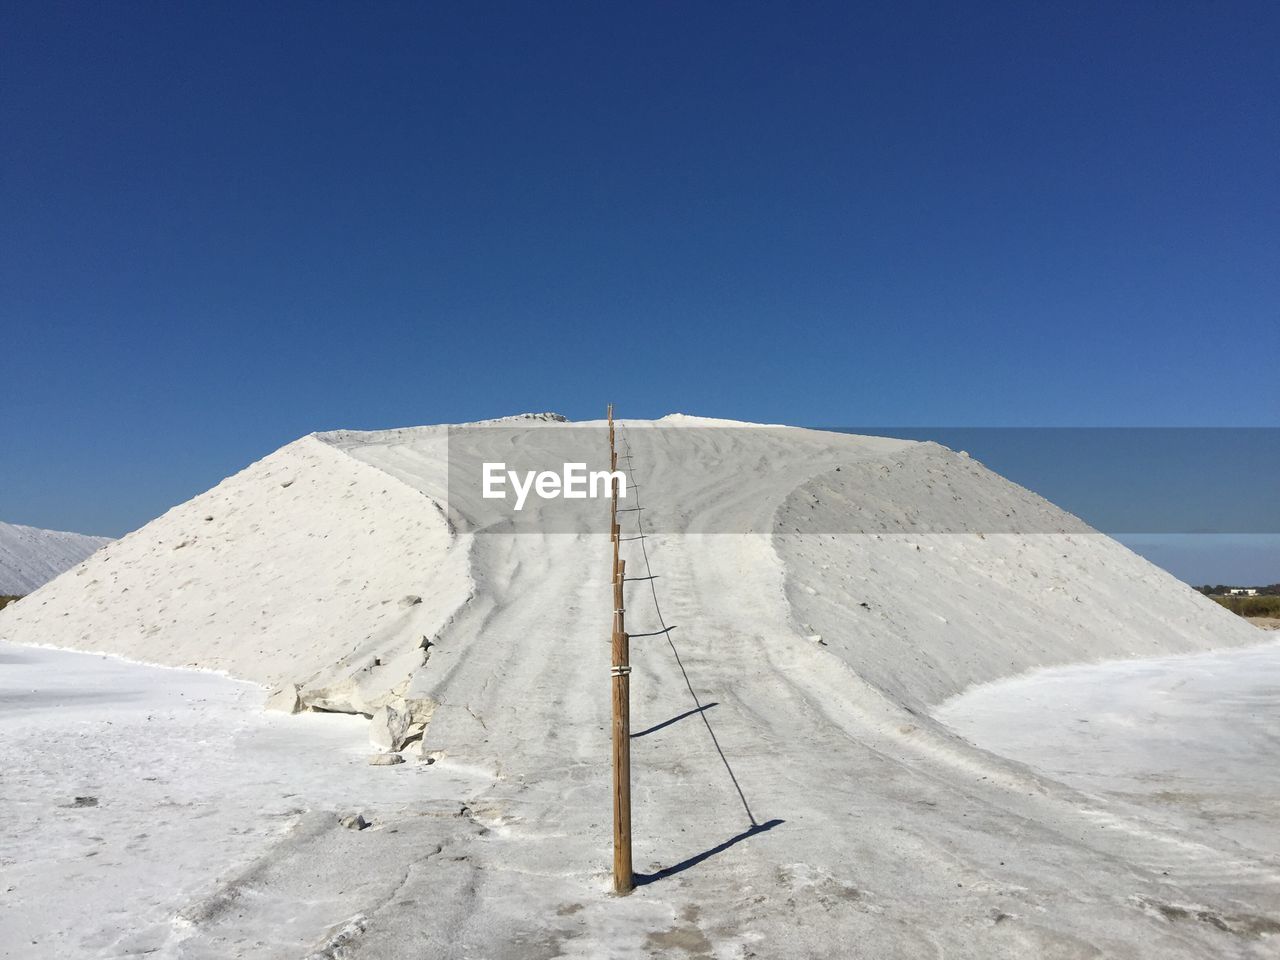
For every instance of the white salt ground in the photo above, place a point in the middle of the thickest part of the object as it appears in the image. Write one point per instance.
(157, 812)
(129, 791)
(1192, 740)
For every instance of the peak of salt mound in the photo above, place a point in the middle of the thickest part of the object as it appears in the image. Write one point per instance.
(693, 420)
(517, 418)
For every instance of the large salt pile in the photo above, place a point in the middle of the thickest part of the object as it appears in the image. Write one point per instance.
(332, 568)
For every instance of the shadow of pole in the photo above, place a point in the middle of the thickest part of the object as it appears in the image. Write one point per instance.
(646, 878)
(666, 723)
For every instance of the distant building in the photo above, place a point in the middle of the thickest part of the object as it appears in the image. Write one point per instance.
(1242, 592)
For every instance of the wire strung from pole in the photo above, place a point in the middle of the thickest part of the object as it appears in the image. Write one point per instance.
(666, 632)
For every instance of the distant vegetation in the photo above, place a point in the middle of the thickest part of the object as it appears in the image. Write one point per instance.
(6, 599)
(1268, 606)
(1265, 604)
(1271, 590)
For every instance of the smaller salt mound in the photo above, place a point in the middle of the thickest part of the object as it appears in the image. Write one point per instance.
(307, 568)
(31, 557)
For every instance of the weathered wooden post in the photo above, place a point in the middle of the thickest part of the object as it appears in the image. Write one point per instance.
(622, 873)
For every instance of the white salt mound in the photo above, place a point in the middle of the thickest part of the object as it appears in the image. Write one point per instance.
(299, 569)
(829, 809)
(31, 557)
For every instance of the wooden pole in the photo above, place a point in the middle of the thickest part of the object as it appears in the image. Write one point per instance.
(622, 872)
(614, 530)
(621, 683)
(617, 541)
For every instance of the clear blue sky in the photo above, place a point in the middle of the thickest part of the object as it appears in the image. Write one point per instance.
(227, 225)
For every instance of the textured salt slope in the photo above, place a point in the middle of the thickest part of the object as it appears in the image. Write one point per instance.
(31, 557)
(921, 615)
(305, 568)
(874, 824)
(924, 616)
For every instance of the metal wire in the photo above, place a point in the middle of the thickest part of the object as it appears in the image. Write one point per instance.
(666, 631)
